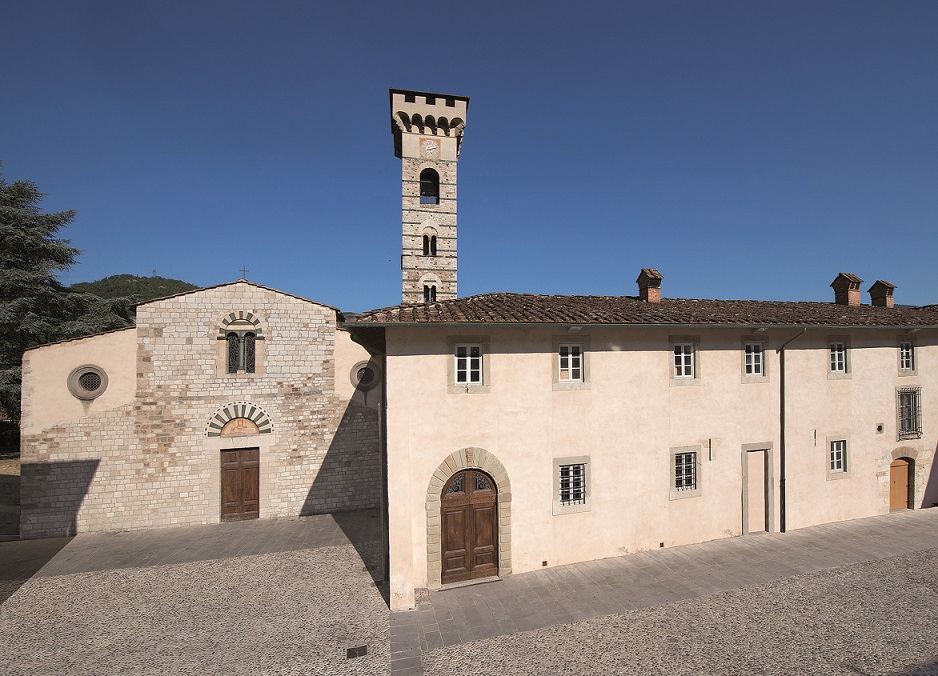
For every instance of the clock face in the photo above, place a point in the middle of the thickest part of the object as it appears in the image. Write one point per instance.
(429, 148)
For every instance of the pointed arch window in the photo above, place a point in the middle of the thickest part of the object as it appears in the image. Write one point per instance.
(429, 245)
(429, 187)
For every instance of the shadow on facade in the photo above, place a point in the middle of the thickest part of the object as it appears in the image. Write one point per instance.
(53, 493)
(930, 496)
(348, 486)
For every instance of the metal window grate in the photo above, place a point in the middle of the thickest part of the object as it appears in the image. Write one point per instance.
(685, 471)
(909, 404)
(573, 484)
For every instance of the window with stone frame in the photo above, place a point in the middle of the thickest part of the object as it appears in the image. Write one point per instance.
(570, 363)
(571, 485)
(468, 364)
(241, 342)
(429, 293)
(838, 365)
(429, 187)
(909, 405)
(685, 472)
(906, 357)
(754, 365)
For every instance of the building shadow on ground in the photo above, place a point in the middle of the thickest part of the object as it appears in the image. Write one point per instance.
(20, 560)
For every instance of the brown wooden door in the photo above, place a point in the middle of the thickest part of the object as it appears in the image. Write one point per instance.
(240, 484)
(469, 514)
(899, 484)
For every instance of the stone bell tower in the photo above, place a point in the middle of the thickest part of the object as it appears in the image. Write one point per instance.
(428, 132)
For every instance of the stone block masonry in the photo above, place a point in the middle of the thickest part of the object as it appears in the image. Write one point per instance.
(151, 463)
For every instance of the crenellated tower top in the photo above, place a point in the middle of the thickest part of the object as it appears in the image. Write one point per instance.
(428, 130)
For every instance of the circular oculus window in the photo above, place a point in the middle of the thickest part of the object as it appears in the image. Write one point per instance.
(365, 375)
(87, 382)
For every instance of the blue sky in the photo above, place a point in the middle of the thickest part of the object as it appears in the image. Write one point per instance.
(746, 149)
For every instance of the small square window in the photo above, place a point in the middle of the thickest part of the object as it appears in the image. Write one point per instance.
(838, 365)
(906, 357)
(570, 364)
(838, 459)
(468, 364)
(754, 360)
(410, 98)
(571, 485)
(467, 369)
(909, 402)
(685, 472)
(684, 360)
(431, 100)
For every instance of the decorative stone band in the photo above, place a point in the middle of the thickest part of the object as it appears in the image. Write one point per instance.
(239, 409)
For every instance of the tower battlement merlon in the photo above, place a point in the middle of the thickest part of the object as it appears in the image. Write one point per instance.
(421, 114)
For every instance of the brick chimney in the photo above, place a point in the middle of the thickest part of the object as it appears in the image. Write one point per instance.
(846, 289)
(649, 285)
(881, 293)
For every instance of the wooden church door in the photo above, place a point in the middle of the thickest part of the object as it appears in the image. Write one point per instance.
(240, 484)
(469, 514)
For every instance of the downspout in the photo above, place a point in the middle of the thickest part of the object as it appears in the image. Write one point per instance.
(781, 424)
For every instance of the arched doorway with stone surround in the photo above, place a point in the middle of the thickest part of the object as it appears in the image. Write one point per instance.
(470, 458)
(901, 490)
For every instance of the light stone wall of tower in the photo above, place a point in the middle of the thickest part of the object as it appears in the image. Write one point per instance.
(146, 459)
(439, 120)
(419, 219)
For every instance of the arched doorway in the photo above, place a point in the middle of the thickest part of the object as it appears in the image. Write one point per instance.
(469, 514)
(901, 489)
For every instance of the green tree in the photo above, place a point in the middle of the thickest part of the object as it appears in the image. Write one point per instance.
(35, 308)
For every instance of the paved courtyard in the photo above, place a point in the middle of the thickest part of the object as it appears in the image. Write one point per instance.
(291, 596)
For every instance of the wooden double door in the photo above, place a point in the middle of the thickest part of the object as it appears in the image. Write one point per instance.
(469, 514)
(240, 484)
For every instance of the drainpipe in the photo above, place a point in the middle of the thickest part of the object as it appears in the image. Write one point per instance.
(781, 425)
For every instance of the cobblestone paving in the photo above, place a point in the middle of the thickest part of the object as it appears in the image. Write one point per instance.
(201, 600)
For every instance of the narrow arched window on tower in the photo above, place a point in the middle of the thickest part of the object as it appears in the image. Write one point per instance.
(429, 293)
(426, 245)
(433, 245)
(429, 187)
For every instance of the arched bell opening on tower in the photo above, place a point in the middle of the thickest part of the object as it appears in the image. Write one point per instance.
(429, 187)
(429, 245)
(429, 293)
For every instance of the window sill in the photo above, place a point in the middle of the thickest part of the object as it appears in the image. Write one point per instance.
(684, 382)
(839, 375)
(833, 476)
(469, 389)
(570, 385)
(681, 495)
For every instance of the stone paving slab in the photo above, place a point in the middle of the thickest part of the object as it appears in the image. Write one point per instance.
(532, 601)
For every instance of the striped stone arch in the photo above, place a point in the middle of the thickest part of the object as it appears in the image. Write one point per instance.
(240, 319)
(467, 458)
(238, 409)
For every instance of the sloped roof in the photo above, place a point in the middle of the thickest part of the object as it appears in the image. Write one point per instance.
(517, 308)
(239, 281)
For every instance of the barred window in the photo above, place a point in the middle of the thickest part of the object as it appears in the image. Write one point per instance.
(468, 364)
(570, 359)
(754, 358)
(838, 456)
(685, 471)
(909, 401)
(573, 484)
(684, 360)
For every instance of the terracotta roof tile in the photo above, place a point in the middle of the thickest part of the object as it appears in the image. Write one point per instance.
(516, 308)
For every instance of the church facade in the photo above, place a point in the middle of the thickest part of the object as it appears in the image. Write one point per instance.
(231, 402)
(497, 433)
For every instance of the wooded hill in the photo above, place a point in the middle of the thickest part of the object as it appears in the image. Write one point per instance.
(140, 288)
